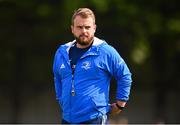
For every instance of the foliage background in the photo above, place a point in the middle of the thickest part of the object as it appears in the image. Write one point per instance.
(145, 33)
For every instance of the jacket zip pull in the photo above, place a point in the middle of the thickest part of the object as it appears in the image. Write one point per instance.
(73, 92)
(73, 89)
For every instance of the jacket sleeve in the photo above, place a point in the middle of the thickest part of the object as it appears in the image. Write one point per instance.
(124, 80)
(57, 81)
(119, 70)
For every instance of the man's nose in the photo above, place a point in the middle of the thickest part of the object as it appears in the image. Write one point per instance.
(84, 30)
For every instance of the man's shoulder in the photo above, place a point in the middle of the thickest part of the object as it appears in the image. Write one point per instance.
(65, 45)
(101, 43)
(108, 48)
(109, 51)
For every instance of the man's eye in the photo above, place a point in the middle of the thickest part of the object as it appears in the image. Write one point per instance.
(80, 27)
(87, 27)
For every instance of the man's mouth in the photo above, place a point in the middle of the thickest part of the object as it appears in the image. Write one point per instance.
(82, 36)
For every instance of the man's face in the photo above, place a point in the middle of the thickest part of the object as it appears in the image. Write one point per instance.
(83, 30)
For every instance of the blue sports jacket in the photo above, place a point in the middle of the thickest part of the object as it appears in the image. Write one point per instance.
(90, 81)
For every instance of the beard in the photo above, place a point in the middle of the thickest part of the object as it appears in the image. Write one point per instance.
(84, 40)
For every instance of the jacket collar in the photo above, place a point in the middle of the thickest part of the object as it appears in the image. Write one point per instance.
(93, 50)
(96, 43)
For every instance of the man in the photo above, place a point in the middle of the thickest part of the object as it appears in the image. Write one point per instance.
(82, 72)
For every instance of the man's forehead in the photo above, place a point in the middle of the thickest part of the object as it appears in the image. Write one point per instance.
(80, 20)
(84, 24)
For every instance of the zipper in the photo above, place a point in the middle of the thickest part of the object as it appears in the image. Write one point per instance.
(72, 87)
(73, 70)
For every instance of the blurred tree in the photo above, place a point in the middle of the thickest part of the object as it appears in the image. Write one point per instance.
(148, 35)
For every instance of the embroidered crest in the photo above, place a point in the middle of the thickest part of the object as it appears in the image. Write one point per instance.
(86, 65)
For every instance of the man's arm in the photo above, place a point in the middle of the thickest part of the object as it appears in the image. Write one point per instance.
(123, 89)
(121, 73)
(57, 81)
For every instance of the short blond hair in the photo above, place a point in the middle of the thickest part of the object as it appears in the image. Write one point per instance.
(84, 13)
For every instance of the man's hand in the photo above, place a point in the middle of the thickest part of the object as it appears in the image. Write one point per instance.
(114, 109)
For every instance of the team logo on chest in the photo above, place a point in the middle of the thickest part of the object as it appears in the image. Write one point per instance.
(86, 65)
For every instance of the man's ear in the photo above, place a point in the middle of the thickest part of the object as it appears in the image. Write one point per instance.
(95, 28)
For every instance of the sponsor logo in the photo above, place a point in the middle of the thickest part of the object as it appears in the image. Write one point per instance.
(62, 66)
